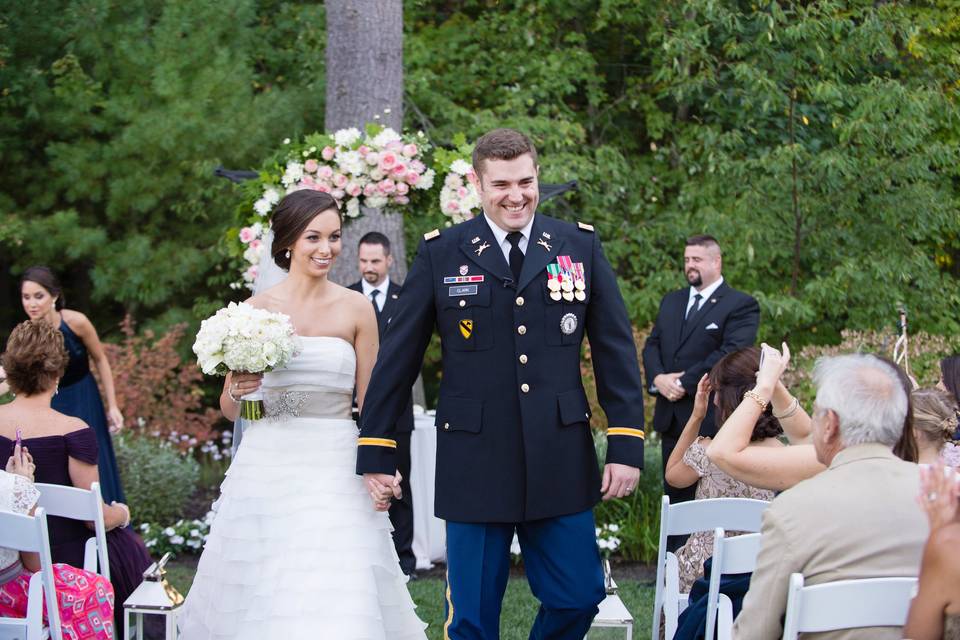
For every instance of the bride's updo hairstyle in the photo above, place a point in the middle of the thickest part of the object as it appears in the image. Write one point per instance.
(35, 358)
(294, 212)
(734, 375)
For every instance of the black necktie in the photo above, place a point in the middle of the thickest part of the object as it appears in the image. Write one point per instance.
(516, 256)
(693, 308)
(373, 299)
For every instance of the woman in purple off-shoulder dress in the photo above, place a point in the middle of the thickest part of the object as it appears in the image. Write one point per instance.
(64, 450)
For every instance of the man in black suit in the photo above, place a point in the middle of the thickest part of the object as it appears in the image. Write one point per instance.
(374, 263)
(695, 327)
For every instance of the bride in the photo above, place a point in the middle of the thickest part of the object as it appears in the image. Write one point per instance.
(296, 549)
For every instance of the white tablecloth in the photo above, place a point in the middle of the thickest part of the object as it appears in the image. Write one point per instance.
(429, 533)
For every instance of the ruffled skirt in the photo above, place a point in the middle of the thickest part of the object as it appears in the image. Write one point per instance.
(296, 549)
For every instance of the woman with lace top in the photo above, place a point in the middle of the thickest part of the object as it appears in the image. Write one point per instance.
(85, 600)
(64, 450)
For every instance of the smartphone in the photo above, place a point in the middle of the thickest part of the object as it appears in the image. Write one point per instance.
(762, 350)
(19, 442)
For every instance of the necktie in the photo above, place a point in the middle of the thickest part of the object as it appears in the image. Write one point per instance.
(373, 299)
(693, 308)
(516, 256)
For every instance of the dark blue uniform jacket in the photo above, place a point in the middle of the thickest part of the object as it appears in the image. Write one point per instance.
(513, 441)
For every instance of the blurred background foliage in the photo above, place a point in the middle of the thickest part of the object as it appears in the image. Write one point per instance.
(818, 141)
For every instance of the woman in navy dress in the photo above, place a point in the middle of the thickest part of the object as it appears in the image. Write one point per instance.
(78, 395)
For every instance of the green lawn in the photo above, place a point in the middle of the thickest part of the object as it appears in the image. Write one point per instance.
(519, 605)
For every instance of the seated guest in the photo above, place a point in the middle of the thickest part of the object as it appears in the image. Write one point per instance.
(84, 599)
(65, 452)
(935, 611)
(688, 464)
(856, 519)
(769, 465)
(950, 381)
(934, 423)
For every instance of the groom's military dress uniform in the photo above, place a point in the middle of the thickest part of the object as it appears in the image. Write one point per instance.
(514, 446)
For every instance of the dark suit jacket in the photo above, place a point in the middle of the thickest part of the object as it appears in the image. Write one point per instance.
(513, 434)
(693, 348)
(405, 422)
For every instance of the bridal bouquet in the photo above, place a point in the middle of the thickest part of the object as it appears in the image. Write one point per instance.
(245, 339)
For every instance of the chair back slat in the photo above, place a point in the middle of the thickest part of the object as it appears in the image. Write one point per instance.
(733, 514)
(737, 554)
(847, 604)
(29, 533)
(80, 504)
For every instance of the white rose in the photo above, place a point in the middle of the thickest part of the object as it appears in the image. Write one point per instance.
(461, 167)
(346, 137)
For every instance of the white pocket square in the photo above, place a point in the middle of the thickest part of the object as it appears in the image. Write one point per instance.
(712, 325)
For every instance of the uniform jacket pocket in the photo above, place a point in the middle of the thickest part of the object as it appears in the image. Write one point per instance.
(573, 407)
(459, 414)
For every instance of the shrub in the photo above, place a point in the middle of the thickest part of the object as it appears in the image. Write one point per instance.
(157, 392)
(184, 536)
(158, 481)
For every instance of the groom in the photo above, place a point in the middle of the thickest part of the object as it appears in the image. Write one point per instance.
(512, 294)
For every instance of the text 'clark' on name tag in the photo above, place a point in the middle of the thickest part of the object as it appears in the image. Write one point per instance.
(465, 290)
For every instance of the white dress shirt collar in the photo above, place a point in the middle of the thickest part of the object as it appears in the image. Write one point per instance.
(501, 236)
(382, 288)
(705, 294)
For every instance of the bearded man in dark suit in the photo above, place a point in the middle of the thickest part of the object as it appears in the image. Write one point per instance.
(374, 263)
(695, 327)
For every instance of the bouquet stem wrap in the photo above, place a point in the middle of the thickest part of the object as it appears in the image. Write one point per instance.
(251, 406)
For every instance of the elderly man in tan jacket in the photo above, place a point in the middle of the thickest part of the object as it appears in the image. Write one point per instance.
(857, 519)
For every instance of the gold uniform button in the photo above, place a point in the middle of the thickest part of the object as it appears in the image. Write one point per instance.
(463, 303)
(520, 301)
(525, 387)
(522, 329)
(523, 358)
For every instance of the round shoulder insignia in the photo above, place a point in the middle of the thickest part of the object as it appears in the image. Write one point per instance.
(430, 235)
(568, 324)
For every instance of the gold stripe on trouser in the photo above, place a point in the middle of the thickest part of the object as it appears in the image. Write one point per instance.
(449, 620)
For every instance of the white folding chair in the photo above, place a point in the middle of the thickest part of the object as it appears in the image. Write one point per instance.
(846, 604)
(80, 504)
(26, 533)
(735, 514)
(730, 555)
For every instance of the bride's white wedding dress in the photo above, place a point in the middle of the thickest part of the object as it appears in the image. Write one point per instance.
(296, 549)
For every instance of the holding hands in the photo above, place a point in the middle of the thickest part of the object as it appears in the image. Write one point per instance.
(383, 488)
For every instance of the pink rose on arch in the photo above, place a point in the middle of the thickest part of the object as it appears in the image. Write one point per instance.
(338, 194)
(412, 178)
(354, 189)
(325, 188)
(387, 160)
(325, 172)
(453, 206)
(247, 235)
(403, 188)
(386, 186)
(311, 166)
(252, 272)
(306, 182)
(363, 150)
(401, 199)
(462, 192)
(395, 145)
(410, 150)
(399, 169)
(418, 166)
(255, 244)
(370, 190)
(328, 153)
(340, 180)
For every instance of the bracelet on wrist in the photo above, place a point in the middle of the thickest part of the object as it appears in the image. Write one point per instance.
(231, 396)
(756, 397)
(792, 409)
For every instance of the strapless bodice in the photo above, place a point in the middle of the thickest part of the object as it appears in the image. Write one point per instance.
(317, 383)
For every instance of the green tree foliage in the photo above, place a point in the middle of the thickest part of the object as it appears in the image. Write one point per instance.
(113, 117)
(818, 141)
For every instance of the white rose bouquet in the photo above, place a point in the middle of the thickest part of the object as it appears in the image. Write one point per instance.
(245, 339)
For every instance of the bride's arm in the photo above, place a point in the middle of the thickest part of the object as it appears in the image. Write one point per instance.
(366, 343)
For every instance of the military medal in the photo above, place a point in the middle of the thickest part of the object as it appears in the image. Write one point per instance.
(555, 296)
(553, 281)
(568, 296)
(568, 324)
(580, 295)
(579, 282)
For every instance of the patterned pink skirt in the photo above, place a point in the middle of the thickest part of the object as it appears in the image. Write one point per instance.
(86, 602)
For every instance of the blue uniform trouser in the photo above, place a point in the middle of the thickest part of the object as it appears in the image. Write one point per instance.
(563, 568)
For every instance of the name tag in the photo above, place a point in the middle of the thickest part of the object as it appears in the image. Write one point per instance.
(465, 290)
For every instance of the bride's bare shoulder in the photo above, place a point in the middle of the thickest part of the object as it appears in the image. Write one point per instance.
(265, 300)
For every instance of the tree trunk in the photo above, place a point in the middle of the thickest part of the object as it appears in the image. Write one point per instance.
(364, 69)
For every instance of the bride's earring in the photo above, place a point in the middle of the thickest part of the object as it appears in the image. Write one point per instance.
(287, 254)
